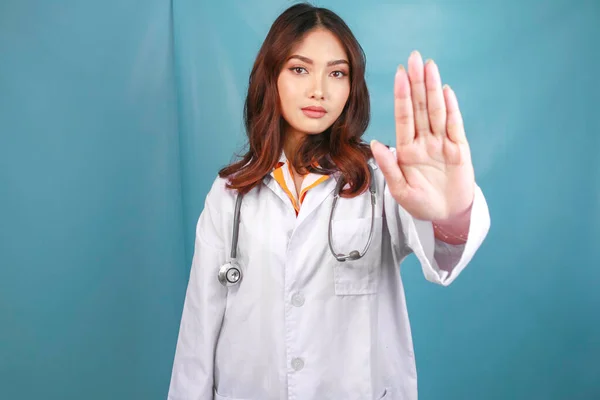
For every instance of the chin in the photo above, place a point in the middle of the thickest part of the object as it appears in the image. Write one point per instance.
(315, 128)
(314, 132)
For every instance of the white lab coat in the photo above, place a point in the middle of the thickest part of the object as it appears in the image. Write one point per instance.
(302, 325)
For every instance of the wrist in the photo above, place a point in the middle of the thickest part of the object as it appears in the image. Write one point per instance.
(455, 229)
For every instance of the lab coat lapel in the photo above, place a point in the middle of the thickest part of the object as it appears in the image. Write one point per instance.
(316, 196)
(272, 184)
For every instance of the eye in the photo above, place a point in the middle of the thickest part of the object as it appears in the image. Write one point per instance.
(297, 70)
(338, 74)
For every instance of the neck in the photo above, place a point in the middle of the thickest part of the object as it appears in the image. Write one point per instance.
(292, 140)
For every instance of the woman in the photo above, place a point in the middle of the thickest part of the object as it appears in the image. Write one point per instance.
(299, 322)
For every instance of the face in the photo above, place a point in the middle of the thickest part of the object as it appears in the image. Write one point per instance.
(314, 84)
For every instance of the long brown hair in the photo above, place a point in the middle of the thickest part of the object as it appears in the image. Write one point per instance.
(339, 148)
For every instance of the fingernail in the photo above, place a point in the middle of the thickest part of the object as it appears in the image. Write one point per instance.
(429, 60)
(373, 142)
(400, 68)
(446, 86)
(415, 53)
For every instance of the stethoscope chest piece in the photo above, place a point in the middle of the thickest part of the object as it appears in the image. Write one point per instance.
(230, 274)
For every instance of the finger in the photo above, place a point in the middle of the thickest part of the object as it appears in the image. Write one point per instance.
(386, 160)
(416, 75)
(436, 106)
(454, 123)
(403, 110)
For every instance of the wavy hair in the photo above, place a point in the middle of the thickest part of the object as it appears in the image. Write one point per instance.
(339, 147)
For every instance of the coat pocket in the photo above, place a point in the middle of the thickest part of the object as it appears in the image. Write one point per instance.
(357, 277)
(218, 396)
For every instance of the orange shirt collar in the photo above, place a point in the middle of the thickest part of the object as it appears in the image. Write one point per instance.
(282, 173)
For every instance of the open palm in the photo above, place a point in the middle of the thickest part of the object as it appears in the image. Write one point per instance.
(431, 174)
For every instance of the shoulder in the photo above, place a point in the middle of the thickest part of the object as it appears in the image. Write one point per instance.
(219, 195)
(216, 213)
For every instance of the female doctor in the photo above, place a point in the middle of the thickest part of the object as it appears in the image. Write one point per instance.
(294, 290)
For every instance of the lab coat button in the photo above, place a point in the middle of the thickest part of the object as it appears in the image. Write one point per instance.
(297, 364)
(297, 300)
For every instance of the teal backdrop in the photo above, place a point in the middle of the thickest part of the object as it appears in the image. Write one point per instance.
(116, 115)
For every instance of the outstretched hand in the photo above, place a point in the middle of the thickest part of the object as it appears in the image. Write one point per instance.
(431, 175)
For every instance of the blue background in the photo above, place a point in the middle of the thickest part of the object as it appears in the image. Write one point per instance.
(116, 115)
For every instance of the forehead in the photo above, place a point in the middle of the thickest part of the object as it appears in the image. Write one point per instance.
(320, 45)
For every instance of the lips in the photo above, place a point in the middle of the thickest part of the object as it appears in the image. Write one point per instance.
(314, 112)
(315, 109)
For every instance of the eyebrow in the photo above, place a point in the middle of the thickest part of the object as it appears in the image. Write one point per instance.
(309, 61)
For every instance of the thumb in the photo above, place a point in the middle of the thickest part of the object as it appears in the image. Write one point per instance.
(389, 167)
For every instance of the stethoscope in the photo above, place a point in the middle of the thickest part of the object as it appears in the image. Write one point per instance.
(230, 273)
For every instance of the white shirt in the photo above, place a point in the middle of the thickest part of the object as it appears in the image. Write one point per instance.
(301, 325)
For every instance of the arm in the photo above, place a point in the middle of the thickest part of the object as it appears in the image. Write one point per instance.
(440, 261)
(203, 310)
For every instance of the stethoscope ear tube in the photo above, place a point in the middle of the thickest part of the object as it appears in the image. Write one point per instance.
(354, 254)
(236, 226)
(230, 273)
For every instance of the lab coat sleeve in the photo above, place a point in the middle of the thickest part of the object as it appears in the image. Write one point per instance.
(203, 310)
(441, 262)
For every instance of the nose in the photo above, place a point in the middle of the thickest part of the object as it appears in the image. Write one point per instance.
(317, 90)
